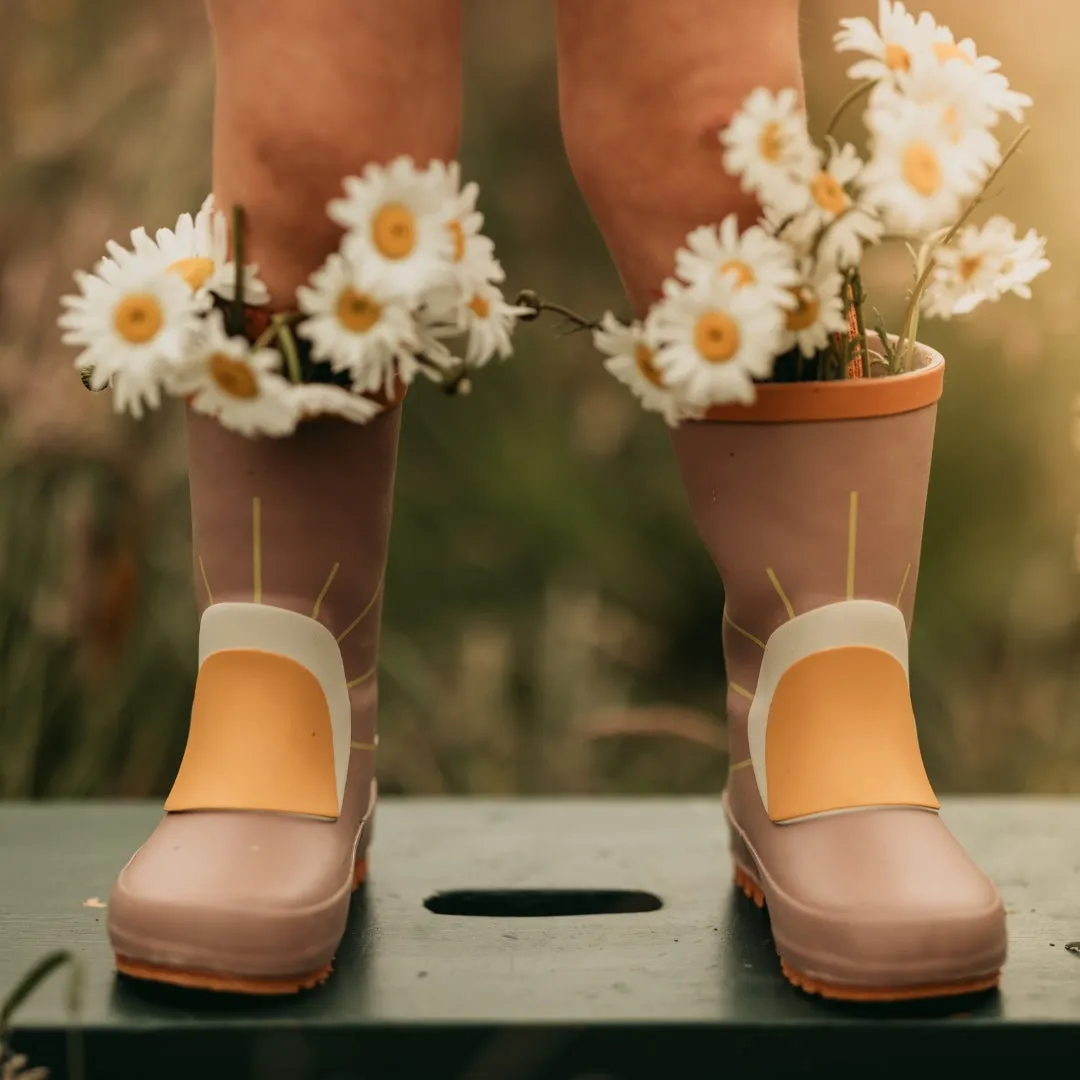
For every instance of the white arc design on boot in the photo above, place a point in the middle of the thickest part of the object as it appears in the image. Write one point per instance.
(300, 638)
(865, 623)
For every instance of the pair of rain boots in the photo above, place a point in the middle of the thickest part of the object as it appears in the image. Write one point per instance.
(811, 503)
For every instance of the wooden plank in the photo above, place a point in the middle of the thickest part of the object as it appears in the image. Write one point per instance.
(417, 993)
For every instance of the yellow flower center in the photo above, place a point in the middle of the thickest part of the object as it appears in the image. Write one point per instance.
(771, 142)
(138, 318)
(644, 357)
(921, 168)
(969, 266)
(742, 273)
(806, 311)
(457, 234)
(393, 231)
(948, 50)
(480, 307)
(357, 311)
(897, 58)
(716, 337)
(829, 193)
(233, 377)
(195, 271)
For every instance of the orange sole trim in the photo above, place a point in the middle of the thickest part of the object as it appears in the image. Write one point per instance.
(230, 984)
(840, 992)
(223, 984)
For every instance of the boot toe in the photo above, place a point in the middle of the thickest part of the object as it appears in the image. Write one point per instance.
(245, 896)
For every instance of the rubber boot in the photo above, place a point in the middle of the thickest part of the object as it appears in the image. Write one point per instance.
(245, 883)
(811, 503)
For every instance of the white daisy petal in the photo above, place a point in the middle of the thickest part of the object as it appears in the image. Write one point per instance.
(132, 324)
(631, 360)
(713, 339)
(398, 221)
(825, 215)
(894, 45)
(820, 310)
(982, 264)
(197, 249)
(326, 399)
(767, 145)
(358, 325)
(224, 377)
(489, 321)
(917, 178)
(753, 258)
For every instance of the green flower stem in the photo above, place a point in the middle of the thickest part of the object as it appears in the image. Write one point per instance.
(910, 325)
(529, 299)
(29, 983)
(847, 101)
(266, 338)
(238, 255)
(289, 350)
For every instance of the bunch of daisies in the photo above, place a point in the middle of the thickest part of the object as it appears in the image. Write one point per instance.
(413, 284)
(783, 299)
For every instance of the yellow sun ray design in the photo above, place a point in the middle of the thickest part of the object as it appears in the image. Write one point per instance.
(360, 618)
(741, 691)
(324, 590)
(780, 592)
(853, 518)
(256, 549)
(361, 678)
(903, 584)
(739, 630)
(206, 582)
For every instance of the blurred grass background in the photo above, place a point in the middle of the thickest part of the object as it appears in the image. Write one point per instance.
(552, 623)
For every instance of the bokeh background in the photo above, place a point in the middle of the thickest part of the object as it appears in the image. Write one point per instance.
(552, 623)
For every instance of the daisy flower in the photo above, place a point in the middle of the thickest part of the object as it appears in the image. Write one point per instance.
(1023, 263)
(895, 44)
(489, 321)
(326, 399)
(472, 253)
(752, 258)
(949, 93)
(767, 145)
(713, 339)
(225, 378)
(198, 251)
(987, 84)
(917, 176)
(358, 326)
(981, 265)
(819, 311)
(632, 361)
(823, 202)
(399, 227)
(132, 322)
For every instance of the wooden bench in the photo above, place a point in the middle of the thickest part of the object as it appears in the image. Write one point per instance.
(691, 988)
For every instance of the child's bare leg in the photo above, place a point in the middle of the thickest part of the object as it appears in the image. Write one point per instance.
(644, 89)
(309, 93)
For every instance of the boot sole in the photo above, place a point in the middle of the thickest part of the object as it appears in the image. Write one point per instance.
(234, 984)
(749, 884)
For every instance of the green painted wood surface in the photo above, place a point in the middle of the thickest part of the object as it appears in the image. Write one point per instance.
(690, 989)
